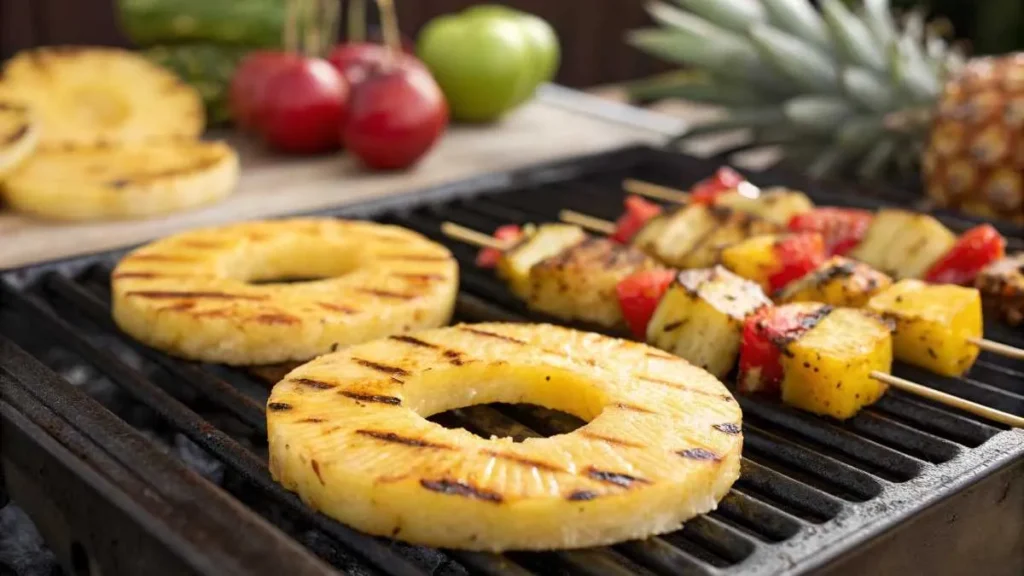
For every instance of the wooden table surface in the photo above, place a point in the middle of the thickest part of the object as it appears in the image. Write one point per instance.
(558, 123)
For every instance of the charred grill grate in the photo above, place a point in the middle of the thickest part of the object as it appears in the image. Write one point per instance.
(811, 490)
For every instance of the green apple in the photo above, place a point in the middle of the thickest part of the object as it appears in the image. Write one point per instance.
(483, 63)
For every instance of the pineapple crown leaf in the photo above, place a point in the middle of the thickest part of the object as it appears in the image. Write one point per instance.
(800, 19)
(852, 36)
(795, 59)
(736, 16)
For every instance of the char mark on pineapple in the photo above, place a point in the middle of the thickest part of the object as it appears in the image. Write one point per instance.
(459, 488)
(489, 334)
(727, 428)
(386, 294)
(699, 454)
(413, 341)
(18, 134)
(315, 384)
(610, 439)
(393, 438)
(390, 370)
(279, 407)
(371, 398)
(529, 462)
(155, 295)
(581, 495)
(616, 478)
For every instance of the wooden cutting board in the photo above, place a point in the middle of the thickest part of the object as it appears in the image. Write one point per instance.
(558, 123)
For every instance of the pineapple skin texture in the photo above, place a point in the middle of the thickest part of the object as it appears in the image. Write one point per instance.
(140, 181)
(837, 282)
(974, 160)
(19, 136)
(700, 318)
(92, 96)
(190, 294)
(348, 433)
(827, 370)
(904, 244)
(933, 323)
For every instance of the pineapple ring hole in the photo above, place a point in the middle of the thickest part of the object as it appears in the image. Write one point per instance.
(544, 421)
(436, 393)
(276, 263)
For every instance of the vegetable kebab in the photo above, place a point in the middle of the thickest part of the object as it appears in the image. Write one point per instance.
(713, 318)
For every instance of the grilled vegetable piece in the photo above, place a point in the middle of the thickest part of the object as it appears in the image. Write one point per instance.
(776, 205)
(637, 212)
(732, 227)
(772, 261)
(509, 233)
(842, 228)
(639, 295)
(19, 134)
(1002, 288)
(123, 182)
(191, 294)
(933, 324)
(253, 23)
(838, 282)
(973, 251)
(543, 242)
(348, 432)
(820, 358)
(101, 96)
(709, 190)
(580, 282)
(904, 244)
(700, 318)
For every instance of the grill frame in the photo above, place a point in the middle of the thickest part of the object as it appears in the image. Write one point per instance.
(71, 437)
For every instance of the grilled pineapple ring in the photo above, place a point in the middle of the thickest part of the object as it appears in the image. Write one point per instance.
(132, 182)
(19, 135)
(348, 433)
(192, 294)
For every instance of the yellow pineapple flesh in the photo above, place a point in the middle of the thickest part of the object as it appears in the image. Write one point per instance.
(123, 182)
(348, 433)
(904, 244)
(193, 294)
(101, 97)
(974, 159)
(19, 135)
(539, 243)
(838, 282)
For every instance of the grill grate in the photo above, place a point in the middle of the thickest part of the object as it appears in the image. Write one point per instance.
(810, 489)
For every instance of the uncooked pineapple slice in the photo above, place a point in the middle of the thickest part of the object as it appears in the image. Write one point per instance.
(101, 96)
(348, 433)
(130, 182)
(19, 134)
(192, 294)
(700, 317)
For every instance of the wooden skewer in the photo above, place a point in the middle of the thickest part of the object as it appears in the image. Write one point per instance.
(587, 222)
(949, 400)
(474, 238)
(656, 191)
(998, 348)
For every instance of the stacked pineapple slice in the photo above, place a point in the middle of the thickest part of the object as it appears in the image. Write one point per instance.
(104, 134)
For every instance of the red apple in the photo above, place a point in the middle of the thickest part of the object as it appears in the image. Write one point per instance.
(395, 115)
(304, 103)
(249, 82)
(359, 61)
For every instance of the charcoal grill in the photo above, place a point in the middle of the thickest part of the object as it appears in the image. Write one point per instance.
(907, 485)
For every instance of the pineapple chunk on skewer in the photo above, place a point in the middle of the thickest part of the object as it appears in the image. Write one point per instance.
(537, 244)
(700, 317)
(935, 324)
(776, 205)
(819, 358)
(694, 235)
(839, 282)
(904, 244)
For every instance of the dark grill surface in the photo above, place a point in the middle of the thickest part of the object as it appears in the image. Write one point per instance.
(811, 489)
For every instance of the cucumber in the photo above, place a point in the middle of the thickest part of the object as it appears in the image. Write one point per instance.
(207, 67)
(253, 23)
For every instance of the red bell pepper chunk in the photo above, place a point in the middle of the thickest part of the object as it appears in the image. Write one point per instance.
(723, 180)
(489, 257)
(843, 228)
(797, 254)
(764, 334)
(639, 295)
(975, 249)
(638, 212)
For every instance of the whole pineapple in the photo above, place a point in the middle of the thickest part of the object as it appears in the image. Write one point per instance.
(850, 91)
